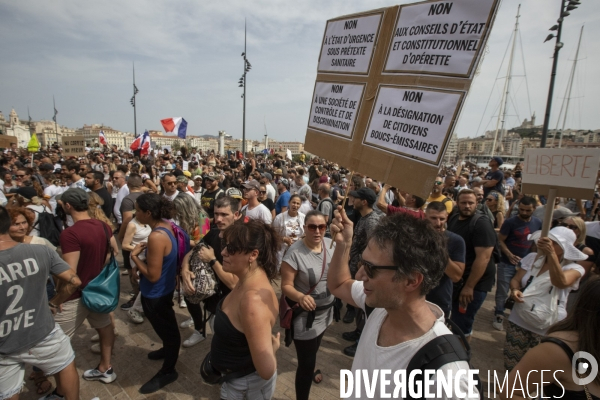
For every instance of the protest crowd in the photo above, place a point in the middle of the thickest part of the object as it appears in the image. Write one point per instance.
(213, 233)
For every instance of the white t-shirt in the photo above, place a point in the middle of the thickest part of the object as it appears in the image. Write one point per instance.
(52, 191)
(171, 197)
(123, 191)
(305, 207)
(271, 193)
(563, 294)
(260, 212)
(593, 229)
(370, 356)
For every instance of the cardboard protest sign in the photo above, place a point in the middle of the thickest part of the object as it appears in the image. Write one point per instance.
(440, 37)
(413, 123)
(5, 141)
(335, 107)
(348, 44)
(572, 172)
(73, 146)
(399, 130)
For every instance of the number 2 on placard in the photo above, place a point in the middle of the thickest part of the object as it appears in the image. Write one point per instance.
(11, 308)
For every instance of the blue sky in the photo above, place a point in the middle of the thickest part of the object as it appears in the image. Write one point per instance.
(188, 61)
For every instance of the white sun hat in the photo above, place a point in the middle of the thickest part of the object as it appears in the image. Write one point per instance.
(565, 238)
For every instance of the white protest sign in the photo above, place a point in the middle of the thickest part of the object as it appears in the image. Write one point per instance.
(185, 165)
(572, 171)
(348, 44)
(413, 122)
(439, 38)
(335, 107)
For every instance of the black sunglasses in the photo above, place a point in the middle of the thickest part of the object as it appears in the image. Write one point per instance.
(231, 248)
(370, 268)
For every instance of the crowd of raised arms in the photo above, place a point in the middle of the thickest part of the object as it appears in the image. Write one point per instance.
(252, 244)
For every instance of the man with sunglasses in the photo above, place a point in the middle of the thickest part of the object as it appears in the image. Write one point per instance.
(436, 195)
(169, 182)
(404, 259)
(363, 200)
(514, 245)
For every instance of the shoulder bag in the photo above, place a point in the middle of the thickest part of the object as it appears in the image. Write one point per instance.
(285, 310)
(101, 295)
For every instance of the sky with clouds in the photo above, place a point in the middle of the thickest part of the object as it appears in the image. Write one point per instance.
(188, 60)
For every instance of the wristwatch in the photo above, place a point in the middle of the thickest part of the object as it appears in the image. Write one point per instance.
(212, 262)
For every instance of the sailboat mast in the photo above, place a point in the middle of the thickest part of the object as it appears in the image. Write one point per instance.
(570, 88)
(504, 101)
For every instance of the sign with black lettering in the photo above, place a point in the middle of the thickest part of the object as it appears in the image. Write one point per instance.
(407, 107)
(443, 38)
(413, 122)
(348, 44)
(73, 146)
(573, 172)
(335, 106)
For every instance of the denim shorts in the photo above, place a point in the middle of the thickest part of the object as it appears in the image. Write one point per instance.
(51, 355)
(250, 387)
(465, 321)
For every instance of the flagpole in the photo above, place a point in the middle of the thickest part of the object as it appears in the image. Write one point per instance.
(54, 118)
(245, 84)
(134, 105)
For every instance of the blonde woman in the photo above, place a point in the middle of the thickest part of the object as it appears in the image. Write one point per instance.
(495, 202)
(95, 209)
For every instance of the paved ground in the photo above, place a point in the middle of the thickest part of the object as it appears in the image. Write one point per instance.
(133, 368)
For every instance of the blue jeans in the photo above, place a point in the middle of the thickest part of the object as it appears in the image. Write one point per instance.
(465, 321)
(505, 273)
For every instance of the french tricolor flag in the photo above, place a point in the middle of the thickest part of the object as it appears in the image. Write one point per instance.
(141, 143)
(176, 125)
(102, 139)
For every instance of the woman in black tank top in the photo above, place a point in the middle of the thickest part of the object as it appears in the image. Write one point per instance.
(554, 355)
(243, 347)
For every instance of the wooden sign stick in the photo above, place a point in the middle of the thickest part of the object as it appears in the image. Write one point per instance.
(343, 205)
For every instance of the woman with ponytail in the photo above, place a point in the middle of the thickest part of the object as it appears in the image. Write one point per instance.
(243, 346)
(157, 283)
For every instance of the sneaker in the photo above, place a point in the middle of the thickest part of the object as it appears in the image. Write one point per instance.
(125, 272)
(127, 306)
(351, 336)
(95, 375)
(96, 348)
(188, 323)
(498, 323)
(158, 381)
(350, 315)
(95, 338)
(135, 316)
(350, 351)
(182, 303)
(52, 396)
(196, 338)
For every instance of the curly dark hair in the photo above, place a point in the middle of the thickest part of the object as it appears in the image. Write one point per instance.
(159, 206)
(255, 235)
(415, 248)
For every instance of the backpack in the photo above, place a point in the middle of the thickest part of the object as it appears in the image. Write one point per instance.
(330, 212)
(205, 282)
(496, 252)
(438, 352)
(49, 226)
(183, 244)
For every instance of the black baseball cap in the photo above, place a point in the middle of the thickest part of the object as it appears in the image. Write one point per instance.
(365, 193)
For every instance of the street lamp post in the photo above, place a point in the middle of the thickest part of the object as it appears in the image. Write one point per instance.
(565, 7)
(242, 83)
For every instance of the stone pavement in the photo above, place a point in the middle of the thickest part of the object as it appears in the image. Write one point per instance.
(133, 367)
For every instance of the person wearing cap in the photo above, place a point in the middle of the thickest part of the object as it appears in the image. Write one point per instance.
(493, 179)
(182, 186)
(559, 212)
(198, 189)
(84, 248)
(254, 209)
(363, 201)
(282, 203)
(212, 192)
(527, 324)
(278, 175)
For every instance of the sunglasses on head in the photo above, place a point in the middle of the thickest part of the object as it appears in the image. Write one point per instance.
(370, 268)
(314, 227)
